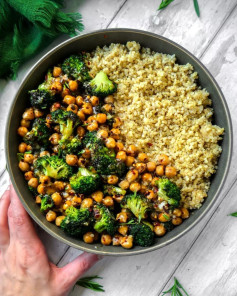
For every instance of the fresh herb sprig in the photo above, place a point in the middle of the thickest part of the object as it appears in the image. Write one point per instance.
(89, 283)
(165, 3)
(233, 214)
(176, 290)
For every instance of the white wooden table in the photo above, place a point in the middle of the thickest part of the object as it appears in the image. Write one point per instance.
(205, 259)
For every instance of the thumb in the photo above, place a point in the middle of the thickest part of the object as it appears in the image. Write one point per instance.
(71, 272)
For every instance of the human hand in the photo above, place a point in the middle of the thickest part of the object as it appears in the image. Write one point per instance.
(24, 266)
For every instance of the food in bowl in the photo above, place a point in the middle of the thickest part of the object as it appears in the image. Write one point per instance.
(118, 144)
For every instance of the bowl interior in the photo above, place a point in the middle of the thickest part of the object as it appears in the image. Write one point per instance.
(89, 42)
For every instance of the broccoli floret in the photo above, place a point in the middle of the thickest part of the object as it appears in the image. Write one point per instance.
(113, 190)
(46, 85)
(46, 203)
(100, 86)
(92, 142)
(38, 136)
(142, 234)
(85, 181)
(41, 99)
(168, 226)
(33, 190)
(52, 166)
(70, 147)
(67, 121)
(75, 67)
(169, 192)
(106, 221)
(137, 204)
(77, 221)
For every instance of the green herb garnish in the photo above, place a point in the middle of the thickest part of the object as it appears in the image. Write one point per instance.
(20, 156)
(196, 6)
(176, 289)
(165, 3)
(89, 283)
(233, 214)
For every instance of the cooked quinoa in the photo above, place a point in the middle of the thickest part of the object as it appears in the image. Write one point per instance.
(164, 110)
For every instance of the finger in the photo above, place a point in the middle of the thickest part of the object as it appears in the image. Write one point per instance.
(4, 229)
(71, 272)
(20, 225)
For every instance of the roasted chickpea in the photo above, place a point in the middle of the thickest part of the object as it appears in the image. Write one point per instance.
(81, 115)
(38, 113)
(59, 220)
(101, 118)
(115, 133)
(110, 142)
(55, 149)
(177, 221)
(29, 175)
(147, 178)
(132, 150)
(112, 179)
(177, 212)
(164, 217)
(118, 198)
(25, 123)
(28, 157)
(87, 203)
(116, 240)
(73, 85)
(71, 159)
(135, 186)
(107, 108)
(38, 199)
(160, 170)
(28, 148)
(117, 122)
(51, 216)
(22, 131)
(41, 189)
(33, 182)
(121, 155)
(91, 119)
(57, 71)
(79, 101)
(159, 230)
(28, 114)
(97, 196)
(88, 237)
(109, 99)
(50, 189)
(143, 189)
(65, 92)
(150, 194)
(24, 166)
(93, 126)
(87, 109)
(102, 134)
(119, 147)
(124, 184)
(43, 153)
(86, 154)
(108, 201)
(129, 161)
(154, 216)
(82, 162)
(163, 159)
(154, 181)
(94, 101)
(76, 200)
(59, 185)
(123, 229)
(141, 167)
(151, 166)
(127, 242)
(22, 147)
(73, 108)
(142, 157)
(69, 100)
(57, 198)
(122, 217)
(170, 172)
(67, 204)
(185, 213)
(132, 175)
(55, 107)
(56, 86)
(81, 131)
(106, 239)
(54, 138)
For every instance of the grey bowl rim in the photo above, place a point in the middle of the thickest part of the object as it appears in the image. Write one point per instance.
(189, 227)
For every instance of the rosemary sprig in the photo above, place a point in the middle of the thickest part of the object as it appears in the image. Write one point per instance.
(233, 214)
(89, 283)
(165, 3)
(176, 289)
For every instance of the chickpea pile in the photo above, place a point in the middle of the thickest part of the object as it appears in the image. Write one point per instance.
(141, 177)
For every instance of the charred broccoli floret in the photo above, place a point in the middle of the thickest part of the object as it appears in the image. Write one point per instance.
(85, 181)
(33, 190)
(38, 136)
(46, 85)
(142, 234)
(169, 192)
(100, 86)
(92, 141)
(67, 121)
(105, 221)
(113, 190)
(77, 221)
(137, 204)
(72, 146)
(52, 166)
(168, 226)
(46, 203)
(75, 67)
(41, 99)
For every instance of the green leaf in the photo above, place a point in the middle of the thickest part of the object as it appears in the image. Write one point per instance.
(180, 286)
(20, 156)
(196, 6)
(89, 283)
(164, 3)
(175, 289)
(233, 214)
